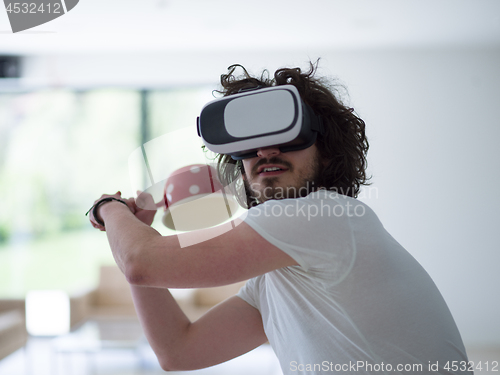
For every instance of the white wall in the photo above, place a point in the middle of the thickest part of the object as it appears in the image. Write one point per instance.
(433, 122)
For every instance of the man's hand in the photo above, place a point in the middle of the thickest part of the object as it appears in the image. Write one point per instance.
(143, 208)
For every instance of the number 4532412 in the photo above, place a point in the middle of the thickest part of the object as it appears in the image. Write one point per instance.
(33, 8)
(471, 366)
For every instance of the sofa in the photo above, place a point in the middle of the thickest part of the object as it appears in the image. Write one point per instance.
(112, 299)
(13, 333)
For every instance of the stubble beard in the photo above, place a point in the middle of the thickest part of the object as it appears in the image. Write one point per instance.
(304, 183)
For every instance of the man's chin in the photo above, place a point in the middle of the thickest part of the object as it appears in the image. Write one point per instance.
(274, 188)
(275, 192)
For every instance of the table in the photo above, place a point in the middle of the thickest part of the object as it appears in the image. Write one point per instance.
(94, 337)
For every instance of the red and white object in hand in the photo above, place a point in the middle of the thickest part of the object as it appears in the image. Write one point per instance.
(194, 199)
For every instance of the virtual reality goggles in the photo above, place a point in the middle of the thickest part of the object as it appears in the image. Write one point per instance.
(240, 124)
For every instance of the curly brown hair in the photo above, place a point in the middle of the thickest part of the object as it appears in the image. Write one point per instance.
(343, 144)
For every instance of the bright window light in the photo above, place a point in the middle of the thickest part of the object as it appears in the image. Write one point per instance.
(47, 313)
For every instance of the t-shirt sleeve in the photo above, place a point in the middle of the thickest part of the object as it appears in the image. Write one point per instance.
(249, 293)
(315, 231)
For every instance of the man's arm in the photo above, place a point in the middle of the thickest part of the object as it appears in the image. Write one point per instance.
(228, 330)
(149, 259)
(152, 263)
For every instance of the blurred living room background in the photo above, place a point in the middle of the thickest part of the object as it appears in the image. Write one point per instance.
(80, 94)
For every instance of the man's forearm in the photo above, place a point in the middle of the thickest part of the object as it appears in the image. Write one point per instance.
(149, 259)
(145, 257)
(225, 332)
(164, 323)
(126, 235)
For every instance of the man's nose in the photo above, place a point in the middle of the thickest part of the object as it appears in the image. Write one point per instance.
(268, 152)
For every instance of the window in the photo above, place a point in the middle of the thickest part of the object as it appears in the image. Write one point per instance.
(59, 151)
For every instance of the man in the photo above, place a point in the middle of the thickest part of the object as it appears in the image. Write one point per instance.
(328, 287)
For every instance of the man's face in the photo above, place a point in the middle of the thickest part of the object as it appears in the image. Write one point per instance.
(276, 175)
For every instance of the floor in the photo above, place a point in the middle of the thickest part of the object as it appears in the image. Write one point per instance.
(40, 357)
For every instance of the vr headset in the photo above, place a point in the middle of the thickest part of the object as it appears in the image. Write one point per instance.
(240, 124)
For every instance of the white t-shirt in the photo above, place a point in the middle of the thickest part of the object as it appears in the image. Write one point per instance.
(357, 298)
